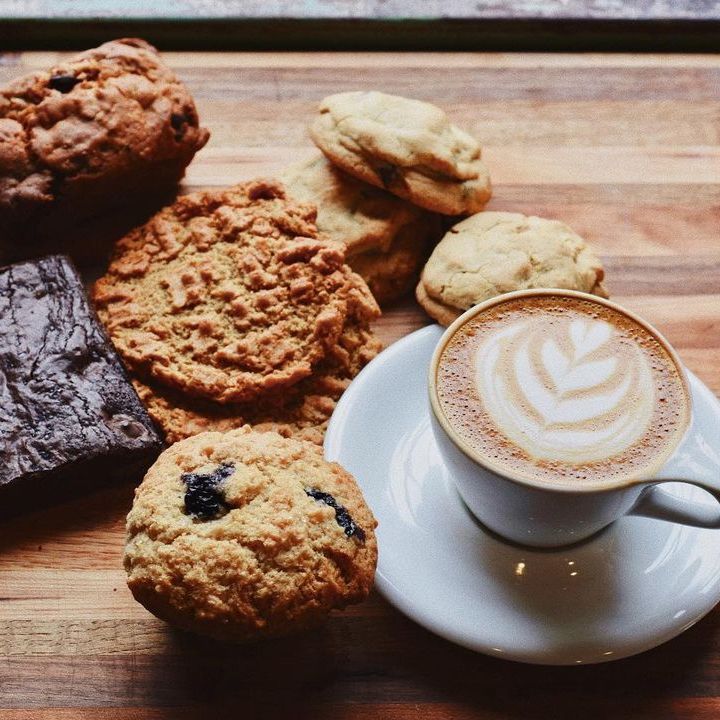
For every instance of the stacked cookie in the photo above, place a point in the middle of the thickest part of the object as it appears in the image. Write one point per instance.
(390, 167)
(393, 164)
(229, 308)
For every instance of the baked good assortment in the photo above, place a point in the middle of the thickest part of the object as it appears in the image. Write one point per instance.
(70, 419)
(242, 314)
(497, 252)
(105, 128)
(242, 535)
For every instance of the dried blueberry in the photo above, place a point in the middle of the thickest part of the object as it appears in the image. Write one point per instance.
(63, 83)
(342, 516)
(203, 496)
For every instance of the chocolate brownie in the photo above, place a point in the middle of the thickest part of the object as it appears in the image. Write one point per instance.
(106, 128)
(69, 413)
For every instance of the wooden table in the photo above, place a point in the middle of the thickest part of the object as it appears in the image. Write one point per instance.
(626, 149)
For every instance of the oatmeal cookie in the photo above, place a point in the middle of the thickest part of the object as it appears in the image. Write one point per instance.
(405, 146)
(99, 130)
(242, 535)
(301, 411)
(497, 252)
(229, 294)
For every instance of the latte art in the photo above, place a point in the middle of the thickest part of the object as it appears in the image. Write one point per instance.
(563, 389)
(566, 390)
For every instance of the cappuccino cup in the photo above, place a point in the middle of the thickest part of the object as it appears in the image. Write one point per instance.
(558, 412)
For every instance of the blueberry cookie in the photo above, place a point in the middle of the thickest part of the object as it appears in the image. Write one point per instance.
(497, 252)
(99, 130)
(407, 147)
(243, 535)
(229, 294)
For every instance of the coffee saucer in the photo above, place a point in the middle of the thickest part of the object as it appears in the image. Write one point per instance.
(635, 585)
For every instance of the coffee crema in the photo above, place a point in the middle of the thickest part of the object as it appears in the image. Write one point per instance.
(558, 388)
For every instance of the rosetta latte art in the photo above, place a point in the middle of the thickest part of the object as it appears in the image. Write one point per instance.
(566, 389)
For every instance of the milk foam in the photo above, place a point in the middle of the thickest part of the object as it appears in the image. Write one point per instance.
(563, 389)
(567, 389)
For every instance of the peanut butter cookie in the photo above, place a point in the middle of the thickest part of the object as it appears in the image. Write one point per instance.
(301, 411)
(104, 128)
(229, 294)
(405, 146)
(497, 252)
(242, 535)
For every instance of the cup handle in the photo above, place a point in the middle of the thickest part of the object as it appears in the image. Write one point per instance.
(662, 505)
(696, 463)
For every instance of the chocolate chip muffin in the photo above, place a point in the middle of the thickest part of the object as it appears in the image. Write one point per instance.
(242, 535)
(104, 129)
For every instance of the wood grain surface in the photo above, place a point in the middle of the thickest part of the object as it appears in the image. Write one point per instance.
(626, 149)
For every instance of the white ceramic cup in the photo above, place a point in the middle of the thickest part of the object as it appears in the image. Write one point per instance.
(539, 515)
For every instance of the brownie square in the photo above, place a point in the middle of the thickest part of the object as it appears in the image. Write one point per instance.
(70, 417)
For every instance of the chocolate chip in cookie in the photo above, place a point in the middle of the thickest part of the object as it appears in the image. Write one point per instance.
(63, 83)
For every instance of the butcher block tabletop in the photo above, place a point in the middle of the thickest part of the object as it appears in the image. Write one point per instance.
(623, 148)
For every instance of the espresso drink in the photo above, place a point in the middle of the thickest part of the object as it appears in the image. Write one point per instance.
(562, 389)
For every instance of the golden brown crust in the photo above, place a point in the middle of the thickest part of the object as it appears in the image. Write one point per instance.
(278, 560)
(301, 411)
(392, 274)
(229, 294)
(93, 132)
(444, 314)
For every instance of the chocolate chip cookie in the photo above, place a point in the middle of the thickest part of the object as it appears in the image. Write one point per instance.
(391, 274)
(103, 129)
(405, 146)
(359, 215)
(242, 535)
(386, 239)
(497, 252)
(229, 294)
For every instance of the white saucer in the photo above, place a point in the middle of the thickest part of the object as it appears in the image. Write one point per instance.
(632, 587)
